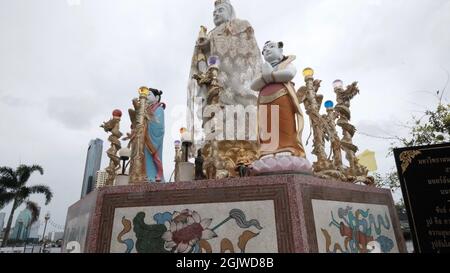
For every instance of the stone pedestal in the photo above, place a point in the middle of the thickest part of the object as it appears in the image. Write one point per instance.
(186, 171)
(122, 180)
(283, 213)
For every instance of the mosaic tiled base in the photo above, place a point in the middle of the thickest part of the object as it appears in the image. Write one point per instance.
(270, 214)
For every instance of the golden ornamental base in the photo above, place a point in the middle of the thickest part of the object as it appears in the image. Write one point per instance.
(222, 158)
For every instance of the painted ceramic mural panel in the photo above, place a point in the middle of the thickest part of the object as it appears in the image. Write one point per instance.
(343, 227)
(240, 227)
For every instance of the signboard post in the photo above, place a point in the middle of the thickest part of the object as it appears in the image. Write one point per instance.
(424, 174)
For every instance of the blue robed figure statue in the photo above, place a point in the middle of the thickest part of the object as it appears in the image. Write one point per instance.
(154, 139)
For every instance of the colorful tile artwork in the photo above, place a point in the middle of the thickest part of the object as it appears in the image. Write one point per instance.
(343, 227)
(240, 227)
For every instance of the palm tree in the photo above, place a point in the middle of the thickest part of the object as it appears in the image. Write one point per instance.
(13, 189)
(34, 209)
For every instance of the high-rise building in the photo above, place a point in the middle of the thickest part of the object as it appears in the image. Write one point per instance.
(2, 220)
(34, 230)
(22, 229)
(93, 162)
(100, 180)
(55, 236)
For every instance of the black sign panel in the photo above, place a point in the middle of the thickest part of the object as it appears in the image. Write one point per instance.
(424, 174)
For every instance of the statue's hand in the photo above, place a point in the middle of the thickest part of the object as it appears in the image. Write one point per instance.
(202, 43)
(301, 94)
(267, 70)
(136, 104)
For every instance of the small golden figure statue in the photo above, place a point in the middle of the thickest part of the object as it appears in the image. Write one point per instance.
(332, 135)
(356, 172)
(113, 127)
(244, 162)
(312, 102)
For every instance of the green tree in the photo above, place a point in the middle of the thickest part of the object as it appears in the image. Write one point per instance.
(388, 181)
(432, 128)
(435, 129)
(13, 188)
(34, 209)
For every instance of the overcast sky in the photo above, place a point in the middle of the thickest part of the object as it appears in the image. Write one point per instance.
(66, 64)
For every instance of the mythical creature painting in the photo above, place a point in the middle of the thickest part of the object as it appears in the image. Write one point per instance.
(186, 231)
(353, 228)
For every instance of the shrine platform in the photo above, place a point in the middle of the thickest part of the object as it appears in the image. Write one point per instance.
(269, 214)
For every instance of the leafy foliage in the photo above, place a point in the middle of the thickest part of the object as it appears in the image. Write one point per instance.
(388, 181)
(435, 130)
(432, 128)
(34, 208)
(13, 189)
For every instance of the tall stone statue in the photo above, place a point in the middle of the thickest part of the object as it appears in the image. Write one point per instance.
(233, 42)
(280, 119)
(224, 64)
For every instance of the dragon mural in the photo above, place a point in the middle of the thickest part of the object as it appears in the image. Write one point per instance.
(361, 230)
(184, 232)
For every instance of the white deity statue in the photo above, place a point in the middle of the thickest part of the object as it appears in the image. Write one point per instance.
(281, 150)
(233, 42)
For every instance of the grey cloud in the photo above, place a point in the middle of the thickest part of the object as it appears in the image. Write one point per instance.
(14, 101)
(76, 113)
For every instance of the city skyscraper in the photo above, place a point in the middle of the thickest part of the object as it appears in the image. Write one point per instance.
(100, 181)
(55, 236)
(34, 230)
(23, 228)
(93, 162)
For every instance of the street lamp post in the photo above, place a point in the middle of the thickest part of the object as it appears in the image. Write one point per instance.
(138, 174)
(312, 106)
(330, 127)
(178, 159)
(124, 155)
(186, 143)
(47, 217)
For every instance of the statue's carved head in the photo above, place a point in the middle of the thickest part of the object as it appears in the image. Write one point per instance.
(223, 12)
(273, 51)
(154, 95)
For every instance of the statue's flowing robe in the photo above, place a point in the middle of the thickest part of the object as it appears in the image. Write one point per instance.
(290, 122)
(155, 142)
(240, 63)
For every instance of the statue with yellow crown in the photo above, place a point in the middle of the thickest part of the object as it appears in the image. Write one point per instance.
(147, 137)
